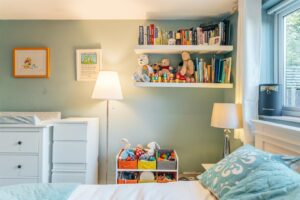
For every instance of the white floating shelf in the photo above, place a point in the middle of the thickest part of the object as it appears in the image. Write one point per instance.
(177, 49)
(184, 85)
(145, 170)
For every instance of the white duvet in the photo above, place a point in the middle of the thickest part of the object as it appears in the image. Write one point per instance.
(182, 190)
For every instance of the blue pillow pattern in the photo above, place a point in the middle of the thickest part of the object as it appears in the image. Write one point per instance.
(271, 180)
(231, 170)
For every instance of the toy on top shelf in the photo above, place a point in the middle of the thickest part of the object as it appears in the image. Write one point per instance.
(148, 160)
(127, 158)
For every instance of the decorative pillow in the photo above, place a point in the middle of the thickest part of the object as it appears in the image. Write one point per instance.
(271, 180)
(235, 167)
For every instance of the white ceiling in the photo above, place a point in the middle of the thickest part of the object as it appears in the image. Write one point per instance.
(114, 9)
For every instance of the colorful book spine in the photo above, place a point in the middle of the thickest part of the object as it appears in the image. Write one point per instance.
(213, 70)
(152, 33)
(141, 35)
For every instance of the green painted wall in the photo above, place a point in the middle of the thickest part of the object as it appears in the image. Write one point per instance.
(175, 118)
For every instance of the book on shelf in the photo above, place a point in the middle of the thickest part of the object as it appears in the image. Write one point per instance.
(211, 34)
(218, 71)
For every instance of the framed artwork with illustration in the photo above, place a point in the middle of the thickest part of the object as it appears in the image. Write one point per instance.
(31, 63)
(88, 64)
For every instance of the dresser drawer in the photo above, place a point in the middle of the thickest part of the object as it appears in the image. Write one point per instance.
(18, 166)
(13, 181)
(70, 132)
(68, 177)
(69, 152)
(68, 166)
(13, 142)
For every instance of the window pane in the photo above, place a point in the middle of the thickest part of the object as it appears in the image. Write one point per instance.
(292, 60)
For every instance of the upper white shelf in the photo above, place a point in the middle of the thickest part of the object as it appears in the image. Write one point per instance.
(177, 49)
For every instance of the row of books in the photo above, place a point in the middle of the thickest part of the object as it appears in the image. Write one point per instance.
(217, 72)
(213, 34)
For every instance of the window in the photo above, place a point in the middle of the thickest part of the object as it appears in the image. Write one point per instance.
(288, 24)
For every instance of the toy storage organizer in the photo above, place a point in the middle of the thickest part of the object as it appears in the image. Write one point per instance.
(158, 167)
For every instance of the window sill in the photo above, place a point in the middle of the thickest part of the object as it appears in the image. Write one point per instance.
(285, 120)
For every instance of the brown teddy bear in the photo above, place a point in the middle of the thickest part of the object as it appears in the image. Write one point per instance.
(187, 67)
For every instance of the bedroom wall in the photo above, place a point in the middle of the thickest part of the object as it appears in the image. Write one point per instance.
(175, 118)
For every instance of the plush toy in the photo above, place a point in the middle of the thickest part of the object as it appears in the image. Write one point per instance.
(139, 150)
(153, 146)
(188, 64)
(127, 153)
(144, 69)
(165, 66)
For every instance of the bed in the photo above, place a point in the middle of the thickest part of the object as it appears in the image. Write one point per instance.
(256, 175)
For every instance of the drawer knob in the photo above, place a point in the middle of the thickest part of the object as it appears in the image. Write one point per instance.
(19, 166)
(19, 142)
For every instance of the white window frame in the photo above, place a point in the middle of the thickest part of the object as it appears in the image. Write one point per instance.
(280, 51)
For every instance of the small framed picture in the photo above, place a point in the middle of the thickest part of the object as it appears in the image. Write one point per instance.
(31, 63)
(88, 64)
(215, 40)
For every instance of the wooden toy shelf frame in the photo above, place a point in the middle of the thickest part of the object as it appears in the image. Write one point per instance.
(156, 171)
(177, 49)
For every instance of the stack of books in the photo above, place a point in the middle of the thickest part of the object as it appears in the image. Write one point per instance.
(212, 34)
(217, 72)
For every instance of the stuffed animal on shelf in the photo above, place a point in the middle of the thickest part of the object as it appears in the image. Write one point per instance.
(153, 146)
(165, 66)
(187, 67)
(144, 69)
(127, 153)
(139, 150)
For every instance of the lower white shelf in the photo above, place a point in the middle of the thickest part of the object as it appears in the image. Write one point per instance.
(184, 85)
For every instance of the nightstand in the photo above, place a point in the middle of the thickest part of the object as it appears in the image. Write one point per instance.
(206, 166)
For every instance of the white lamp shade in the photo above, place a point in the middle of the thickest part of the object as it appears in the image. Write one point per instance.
(227, 116)
(107, 86)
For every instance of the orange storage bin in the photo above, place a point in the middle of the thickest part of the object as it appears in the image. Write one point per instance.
(121, 181)
(124, 164)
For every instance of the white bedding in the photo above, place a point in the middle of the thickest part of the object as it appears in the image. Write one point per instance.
(191, 190)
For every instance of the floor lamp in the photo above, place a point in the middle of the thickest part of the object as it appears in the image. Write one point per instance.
(227, 116)
(108, 88)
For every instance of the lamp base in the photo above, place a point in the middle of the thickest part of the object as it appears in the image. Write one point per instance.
(226, 150)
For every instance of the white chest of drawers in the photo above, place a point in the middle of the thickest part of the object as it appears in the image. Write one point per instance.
(75, 151)
(24, 154)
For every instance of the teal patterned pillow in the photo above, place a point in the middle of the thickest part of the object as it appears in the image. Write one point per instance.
(231, 170)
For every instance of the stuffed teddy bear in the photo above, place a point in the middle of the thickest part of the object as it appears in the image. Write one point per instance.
(188, 65)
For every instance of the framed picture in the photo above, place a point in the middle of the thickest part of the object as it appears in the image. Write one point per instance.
(88, 64)
(215, 40)
(31, 63)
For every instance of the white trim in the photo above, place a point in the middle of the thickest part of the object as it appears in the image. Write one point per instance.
(277, 138)
(279, 7)
(280, 49)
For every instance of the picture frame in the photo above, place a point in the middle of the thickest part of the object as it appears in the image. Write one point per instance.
(88, 64)
(215, 41)
(31, 62)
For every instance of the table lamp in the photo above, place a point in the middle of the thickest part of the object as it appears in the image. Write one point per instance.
(108, 88)
(227, 116)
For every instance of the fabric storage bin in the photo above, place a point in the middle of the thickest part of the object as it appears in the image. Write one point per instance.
(122, 181)
(144, 164)
(126, 164)
(147, 181)
(166, 164)
(166, 177)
